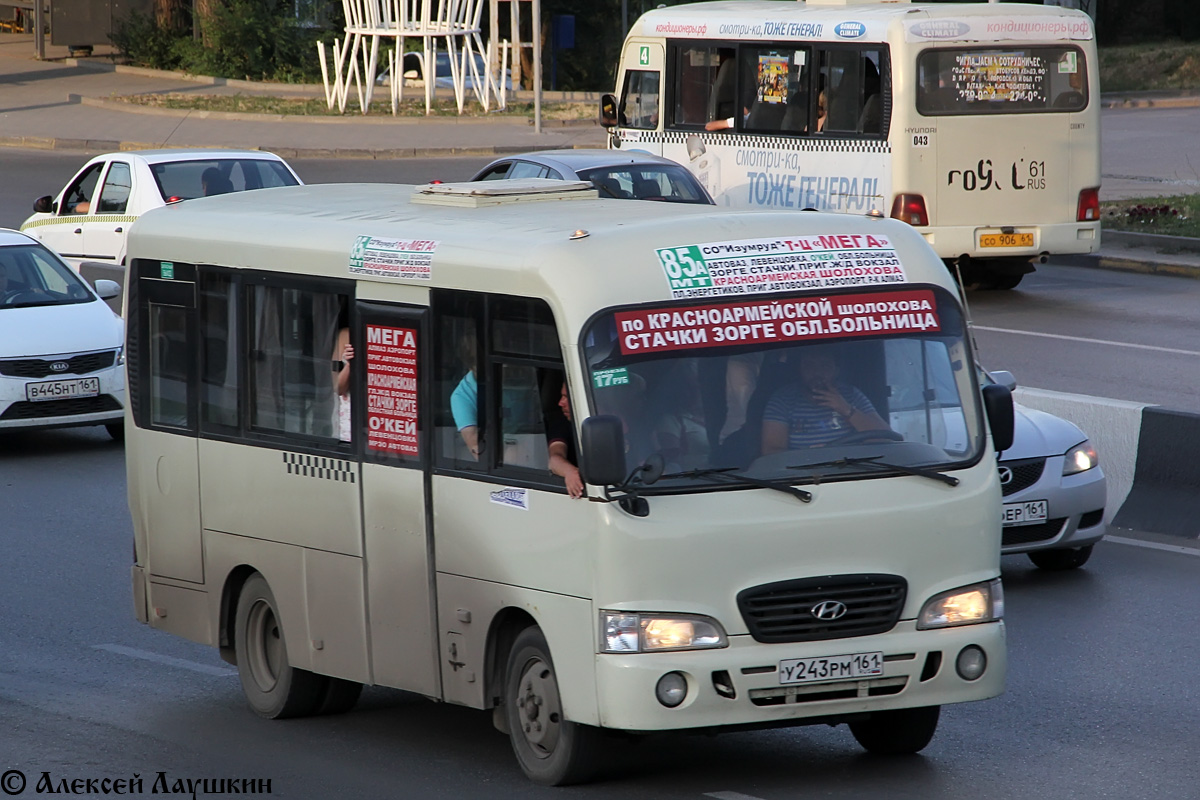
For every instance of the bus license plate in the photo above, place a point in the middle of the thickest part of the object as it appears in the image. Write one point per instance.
(62, 390)
(831, 668)
(1005, 240)
(1026, 513)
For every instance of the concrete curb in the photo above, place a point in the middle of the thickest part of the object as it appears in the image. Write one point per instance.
(1156, 497)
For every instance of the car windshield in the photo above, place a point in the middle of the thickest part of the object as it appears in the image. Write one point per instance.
(790, 390)
(30, 275)
(669, 182)
(185, 180)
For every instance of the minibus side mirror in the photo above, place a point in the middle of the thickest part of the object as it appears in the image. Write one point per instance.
(998, 403)
(608, 110)
(44, 205)
(603, 451)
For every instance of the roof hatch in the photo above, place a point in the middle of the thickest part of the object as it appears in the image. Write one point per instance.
(474, 194)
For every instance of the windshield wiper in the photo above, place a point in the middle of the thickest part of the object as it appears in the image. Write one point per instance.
(874, 461)
(737, 477)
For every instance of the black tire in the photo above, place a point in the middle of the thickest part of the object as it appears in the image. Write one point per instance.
(274, 689)
(1064, 559)
(550, 750)
(116, 430)
(339, 696)
(901, 732)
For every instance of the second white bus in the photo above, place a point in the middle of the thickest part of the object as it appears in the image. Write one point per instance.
(978, 124)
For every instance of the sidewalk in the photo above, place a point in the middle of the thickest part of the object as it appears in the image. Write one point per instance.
(66, 104)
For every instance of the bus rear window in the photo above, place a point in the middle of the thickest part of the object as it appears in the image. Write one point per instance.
(1009, 80)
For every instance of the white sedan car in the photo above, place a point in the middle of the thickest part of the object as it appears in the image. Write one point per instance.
(61, 347)
(1054, 490)
(89, 219)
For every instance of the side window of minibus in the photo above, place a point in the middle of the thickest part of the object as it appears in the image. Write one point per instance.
(705, 86)
(459, 425)
(292, 335)
(850, 87)
(525, 360)
(639, 100)
(220, 347)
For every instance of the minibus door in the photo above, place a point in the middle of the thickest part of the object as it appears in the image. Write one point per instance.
(392, 348)
(641, 117)
(163, 392)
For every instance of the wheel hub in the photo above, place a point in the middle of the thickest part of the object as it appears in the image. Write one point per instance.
(538, 708)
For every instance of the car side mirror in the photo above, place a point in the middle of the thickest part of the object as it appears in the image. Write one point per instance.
(107, 289)
(998, 404)
(1005, 379)
(602, 461)
(44, 205)
(608, 111)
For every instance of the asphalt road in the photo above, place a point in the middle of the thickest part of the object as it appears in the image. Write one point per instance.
(1101, 698)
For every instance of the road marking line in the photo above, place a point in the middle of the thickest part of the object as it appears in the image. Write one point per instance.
(1091, 341)
(146, 655)
(1170, 548)
(731, 796)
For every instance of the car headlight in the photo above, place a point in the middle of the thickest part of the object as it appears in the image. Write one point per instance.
(1080, 458)
(120, 356)
(969, 605)
(625, 632)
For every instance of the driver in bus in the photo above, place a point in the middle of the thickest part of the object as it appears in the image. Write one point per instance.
(561, 445)
(818, 408)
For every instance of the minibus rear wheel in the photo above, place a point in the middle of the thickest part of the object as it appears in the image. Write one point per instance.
(899, 732)
(274, 688)
(550, 750)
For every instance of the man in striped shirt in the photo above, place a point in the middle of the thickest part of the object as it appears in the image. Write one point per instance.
(818, 409)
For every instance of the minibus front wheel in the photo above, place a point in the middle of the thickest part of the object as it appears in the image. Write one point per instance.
(551, 750)
(898, 732)
(274, 689)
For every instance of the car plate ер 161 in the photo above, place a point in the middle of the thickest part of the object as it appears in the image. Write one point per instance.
(62, 390)
(1026, 513)
(831, 668)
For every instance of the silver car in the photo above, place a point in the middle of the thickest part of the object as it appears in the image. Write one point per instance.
(623, 174)
(1054, 490)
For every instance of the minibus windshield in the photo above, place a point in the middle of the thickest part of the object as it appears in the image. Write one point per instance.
(796, 390)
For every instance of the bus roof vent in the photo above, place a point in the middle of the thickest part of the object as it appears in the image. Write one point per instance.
(475, 194)
(854, 2)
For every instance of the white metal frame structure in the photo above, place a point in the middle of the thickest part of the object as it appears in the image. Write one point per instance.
(356, 57)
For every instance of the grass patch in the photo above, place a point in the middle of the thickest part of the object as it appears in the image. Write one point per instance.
(1148, 67)
(1178, 215)
(316, 107)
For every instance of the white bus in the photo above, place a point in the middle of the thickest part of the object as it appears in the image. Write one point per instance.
(979, 124)
(500, 332)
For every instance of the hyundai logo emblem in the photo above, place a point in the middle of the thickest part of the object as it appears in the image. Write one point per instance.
(829, 610)
(59, 366)
(1005, 476)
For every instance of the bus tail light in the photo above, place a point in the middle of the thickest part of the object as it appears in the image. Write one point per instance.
(910, 208)
(1089, 205)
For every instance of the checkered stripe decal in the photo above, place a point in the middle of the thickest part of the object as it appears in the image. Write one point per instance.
(805, 145)
(330, 469)
(77, 219)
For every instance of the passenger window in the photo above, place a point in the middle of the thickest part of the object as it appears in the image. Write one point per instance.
(706, 86)
(497, 173)
(851, 90)
(169, 359)
(78, 198)
(639, 100)
(459, 424)
(522, 418)
(220, 350)
(114, 197)
(526, 169)
(780, 78)
(292, 335)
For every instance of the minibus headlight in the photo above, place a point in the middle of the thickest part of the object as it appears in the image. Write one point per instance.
(1080, 458)
(969, 605)
(624, 632)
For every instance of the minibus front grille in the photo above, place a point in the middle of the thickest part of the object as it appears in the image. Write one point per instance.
(1020, 474)
(41, 367)
(829, 607)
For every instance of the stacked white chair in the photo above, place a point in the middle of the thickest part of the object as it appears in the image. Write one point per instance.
(455, 23)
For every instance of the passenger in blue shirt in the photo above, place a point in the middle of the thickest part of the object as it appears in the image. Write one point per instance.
(816, 410)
